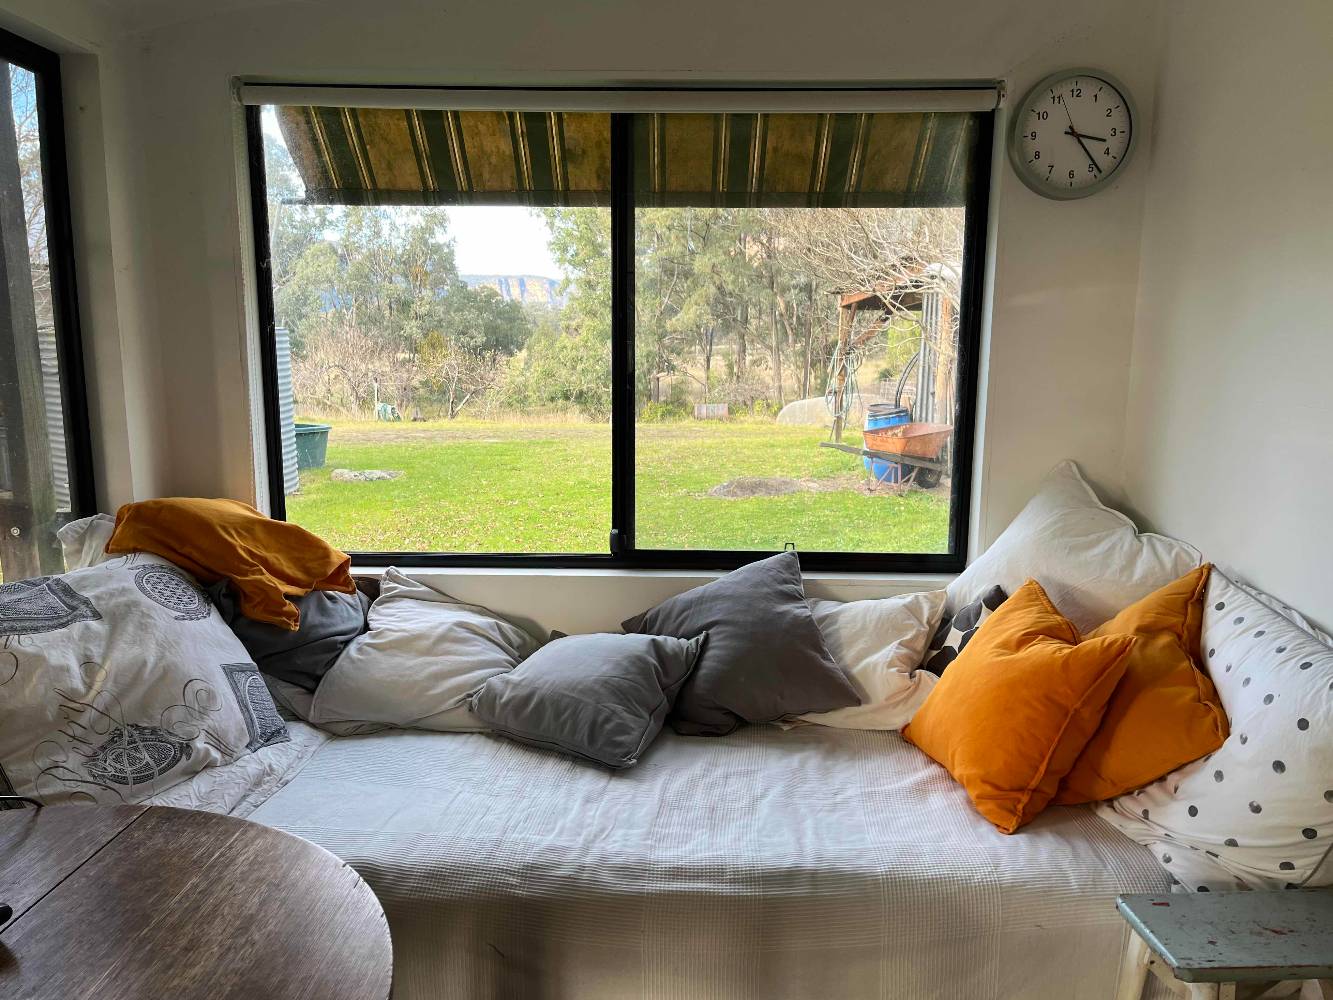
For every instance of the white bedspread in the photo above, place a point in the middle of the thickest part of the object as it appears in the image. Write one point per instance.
(812, 863)
(237, 788)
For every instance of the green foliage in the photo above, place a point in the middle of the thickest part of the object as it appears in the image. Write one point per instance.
(563, 369)
(581, 245)
(660, 413)
(479, 320)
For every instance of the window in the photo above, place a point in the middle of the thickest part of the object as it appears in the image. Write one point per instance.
(45, 476)
(645, 338)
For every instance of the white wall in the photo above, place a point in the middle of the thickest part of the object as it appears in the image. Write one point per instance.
(1063, 297)
(1061, 300)
(1230, 417)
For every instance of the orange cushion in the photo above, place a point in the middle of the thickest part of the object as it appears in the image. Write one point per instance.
(1165, 712)
(1011, 714)
(267, 561)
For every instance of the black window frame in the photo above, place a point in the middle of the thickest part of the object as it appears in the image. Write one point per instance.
(44, 64)
(622, 554)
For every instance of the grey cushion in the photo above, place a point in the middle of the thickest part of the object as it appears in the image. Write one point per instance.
(765, 658)
(329, 621)
(600, 697)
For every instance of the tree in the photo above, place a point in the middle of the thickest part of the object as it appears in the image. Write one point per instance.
(454, 373)
(480, 321)
(581, 245)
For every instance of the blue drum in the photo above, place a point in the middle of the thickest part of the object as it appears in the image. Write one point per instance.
(885, 415)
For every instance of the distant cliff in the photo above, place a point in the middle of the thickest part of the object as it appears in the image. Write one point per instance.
(529, 288)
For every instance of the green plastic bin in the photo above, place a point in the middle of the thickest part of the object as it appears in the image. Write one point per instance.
(312, 445)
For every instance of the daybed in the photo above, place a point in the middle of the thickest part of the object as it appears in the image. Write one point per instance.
(812, 863)
(563, 853)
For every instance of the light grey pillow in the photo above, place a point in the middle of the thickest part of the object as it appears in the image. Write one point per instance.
(423, 658)
(601, 697)
(765, 659)
(329, 621)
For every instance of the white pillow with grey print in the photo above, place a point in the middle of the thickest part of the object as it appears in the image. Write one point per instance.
(954, 632)
(1258, 812)
(120, 680)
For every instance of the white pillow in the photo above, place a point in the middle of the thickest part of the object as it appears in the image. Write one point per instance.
(879, 645)
(83, 542)
(1091, 560)
(422, 659)
(118, 681)
(1257, 813)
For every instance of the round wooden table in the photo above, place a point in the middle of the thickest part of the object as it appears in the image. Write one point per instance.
(135, 902)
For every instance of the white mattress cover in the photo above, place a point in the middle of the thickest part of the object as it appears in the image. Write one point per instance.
(765, 864)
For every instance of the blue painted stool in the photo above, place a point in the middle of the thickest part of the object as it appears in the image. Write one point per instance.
(1201, 945)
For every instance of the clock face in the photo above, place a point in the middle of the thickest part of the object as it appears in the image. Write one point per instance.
(1071, 133)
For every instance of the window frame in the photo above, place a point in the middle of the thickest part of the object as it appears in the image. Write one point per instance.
(44, 65)
(621, 552)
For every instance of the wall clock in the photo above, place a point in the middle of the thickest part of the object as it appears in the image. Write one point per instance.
(1072, 133)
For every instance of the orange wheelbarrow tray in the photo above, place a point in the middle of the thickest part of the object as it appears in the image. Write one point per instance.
(918, 440)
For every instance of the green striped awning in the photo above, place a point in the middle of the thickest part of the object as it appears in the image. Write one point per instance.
(376, 156)
(815, 160)
(408, 156)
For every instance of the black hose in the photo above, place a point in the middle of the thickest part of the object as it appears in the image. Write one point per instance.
(907, 370)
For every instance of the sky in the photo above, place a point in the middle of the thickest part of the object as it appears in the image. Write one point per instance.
(501, 239)
(488, 239)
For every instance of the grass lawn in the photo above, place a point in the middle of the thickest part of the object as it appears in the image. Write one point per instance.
(479, 486)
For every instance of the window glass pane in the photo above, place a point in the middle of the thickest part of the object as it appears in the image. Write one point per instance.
(35, 489)
(798, 281)
(444, 351)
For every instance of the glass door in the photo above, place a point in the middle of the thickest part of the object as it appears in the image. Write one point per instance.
(43, 438)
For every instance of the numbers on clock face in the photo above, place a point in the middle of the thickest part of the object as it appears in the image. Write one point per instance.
(1074, 133)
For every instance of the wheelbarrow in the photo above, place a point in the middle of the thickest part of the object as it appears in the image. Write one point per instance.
(916, 446)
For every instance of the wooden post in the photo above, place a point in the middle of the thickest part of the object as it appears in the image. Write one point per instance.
(28, 544)
(846, 318)
(777, 341)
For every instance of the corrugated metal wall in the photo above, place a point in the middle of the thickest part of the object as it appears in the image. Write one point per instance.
(291, 475)
(55, 415)
(55, 423)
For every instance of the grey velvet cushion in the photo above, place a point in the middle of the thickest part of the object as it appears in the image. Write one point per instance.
(601, 697)
(329, 621)
(765, 657)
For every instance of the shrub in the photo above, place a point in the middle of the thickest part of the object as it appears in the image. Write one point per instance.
(661, 413)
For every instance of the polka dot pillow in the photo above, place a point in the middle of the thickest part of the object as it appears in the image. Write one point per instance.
(953, 635)
(1257, 813)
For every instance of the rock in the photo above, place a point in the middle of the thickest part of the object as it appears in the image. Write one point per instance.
(363, 475)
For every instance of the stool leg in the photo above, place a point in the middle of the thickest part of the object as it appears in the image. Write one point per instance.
(1133, 968)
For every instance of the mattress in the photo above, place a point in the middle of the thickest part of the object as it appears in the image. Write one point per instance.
(810, 863)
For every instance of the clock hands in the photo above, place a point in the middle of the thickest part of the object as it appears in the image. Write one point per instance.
(1083, 135)
(1078, 137)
